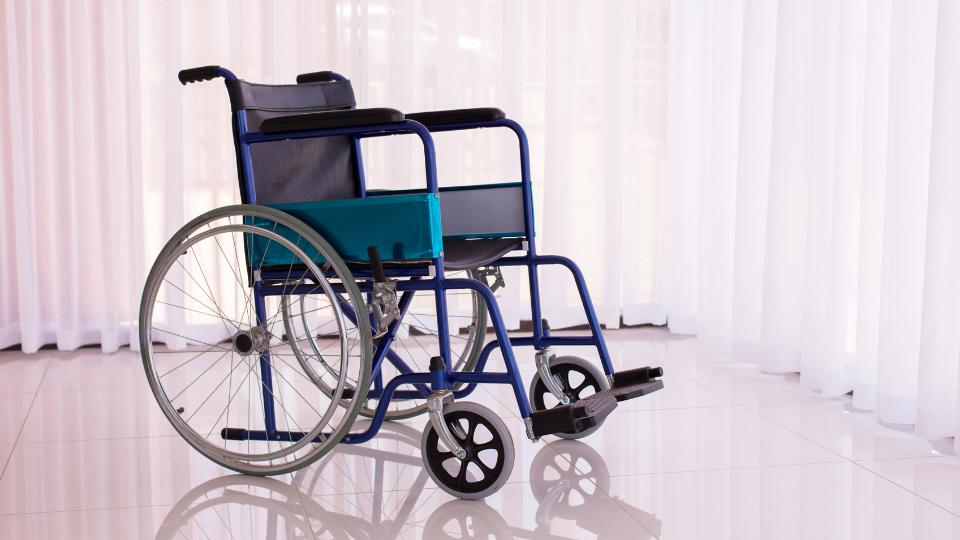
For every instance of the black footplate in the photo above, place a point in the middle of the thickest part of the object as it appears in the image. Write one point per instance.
(573, 418)
(631, 377)
(631, 383)
(628, 392)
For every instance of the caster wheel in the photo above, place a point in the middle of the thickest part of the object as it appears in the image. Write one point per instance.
(489, 447)
(461, 520)
(579, 379)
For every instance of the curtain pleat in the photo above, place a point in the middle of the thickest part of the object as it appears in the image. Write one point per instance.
(831, 249)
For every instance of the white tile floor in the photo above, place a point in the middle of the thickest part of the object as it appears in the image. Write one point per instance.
(722, 452)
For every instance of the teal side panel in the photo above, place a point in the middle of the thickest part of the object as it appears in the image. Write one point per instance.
(401, 226)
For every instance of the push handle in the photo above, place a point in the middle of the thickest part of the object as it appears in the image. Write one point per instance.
(198, 74)
(376, 265)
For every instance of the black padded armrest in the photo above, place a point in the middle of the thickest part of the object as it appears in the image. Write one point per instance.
(329, 120)
(457, 116)
(316, 76)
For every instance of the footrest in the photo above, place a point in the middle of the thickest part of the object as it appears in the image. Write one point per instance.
(627, 392)
(573, 418)
(630, 377)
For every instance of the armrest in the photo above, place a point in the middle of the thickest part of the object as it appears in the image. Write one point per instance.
(457, 116)
(330, 120)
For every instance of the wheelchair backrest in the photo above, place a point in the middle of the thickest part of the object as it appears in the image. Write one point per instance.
(297, 170)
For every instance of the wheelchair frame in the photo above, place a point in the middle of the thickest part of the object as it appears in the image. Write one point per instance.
(439, 379)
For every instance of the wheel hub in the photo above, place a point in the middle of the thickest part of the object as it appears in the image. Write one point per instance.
(253, 341)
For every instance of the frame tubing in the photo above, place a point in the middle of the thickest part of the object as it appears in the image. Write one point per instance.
(266, 376)
(508, 359)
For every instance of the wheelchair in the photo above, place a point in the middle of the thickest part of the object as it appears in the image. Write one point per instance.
(267, 328)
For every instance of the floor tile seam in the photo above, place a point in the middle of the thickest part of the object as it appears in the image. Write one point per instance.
(2, 514)
(818, 401)
(744, 468)
(24, 423)
(729, 405)
(698, 383)
(110, 389)
(933, 456)
(642, 354)
(176, 436)
(747, 405)
(515, 415)
(844, 458)
(701, 362)
(798, 434)
(627, 512)
(915, 494)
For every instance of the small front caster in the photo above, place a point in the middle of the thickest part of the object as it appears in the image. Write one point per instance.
(489, 452)
(577, 379)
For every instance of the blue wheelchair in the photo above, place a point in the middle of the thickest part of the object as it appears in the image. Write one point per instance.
(267, 328)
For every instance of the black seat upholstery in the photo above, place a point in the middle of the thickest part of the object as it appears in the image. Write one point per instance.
(296, 170)
(464, 254)
(458, 254)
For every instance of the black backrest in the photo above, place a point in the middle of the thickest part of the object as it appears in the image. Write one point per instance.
(300, 170)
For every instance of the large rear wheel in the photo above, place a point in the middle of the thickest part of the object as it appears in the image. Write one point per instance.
(211, 347)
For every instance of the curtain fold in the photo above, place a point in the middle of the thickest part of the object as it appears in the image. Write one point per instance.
(831, 249)
(778, 178)
(70, 149)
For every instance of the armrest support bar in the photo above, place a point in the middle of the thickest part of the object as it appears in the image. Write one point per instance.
(329, 120)
(457, 116)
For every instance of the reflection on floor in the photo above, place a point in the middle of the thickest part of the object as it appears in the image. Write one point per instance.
(722, 452)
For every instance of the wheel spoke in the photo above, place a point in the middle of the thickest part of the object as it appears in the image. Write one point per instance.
(472, 430)
(492, 444)
(198, 378)
(185, 363)
(487, 471)
(223, 316)
(190, 339)
(196, 311)
(586, 382)
(463, 474)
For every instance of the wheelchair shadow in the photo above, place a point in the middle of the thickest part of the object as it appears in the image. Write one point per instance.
(571, 488)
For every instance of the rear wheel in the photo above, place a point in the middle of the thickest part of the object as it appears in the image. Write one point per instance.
(217, 369)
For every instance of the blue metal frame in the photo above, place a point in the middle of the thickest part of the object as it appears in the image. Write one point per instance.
(423, 382)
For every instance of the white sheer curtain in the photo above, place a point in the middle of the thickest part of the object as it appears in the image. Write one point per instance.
(779, 178)
(106, 155)
(70, 206)
(818, 143)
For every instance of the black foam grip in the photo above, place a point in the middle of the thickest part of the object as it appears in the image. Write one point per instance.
(232, 434)
(376, 264)
(198, 74)
(316, 76)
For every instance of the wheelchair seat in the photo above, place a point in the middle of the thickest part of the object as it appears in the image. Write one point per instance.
(458, 254)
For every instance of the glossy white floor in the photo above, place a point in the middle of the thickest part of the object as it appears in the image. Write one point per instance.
(722, 452)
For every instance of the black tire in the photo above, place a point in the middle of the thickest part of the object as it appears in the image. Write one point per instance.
(463, 419)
